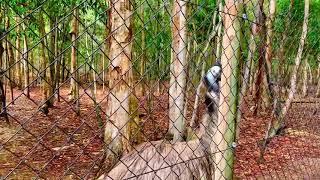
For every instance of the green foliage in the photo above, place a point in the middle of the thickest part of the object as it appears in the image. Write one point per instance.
(157, 29)
(293, 31)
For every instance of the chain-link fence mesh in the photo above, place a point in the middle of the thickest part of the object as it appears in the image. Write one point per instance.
(123, 89)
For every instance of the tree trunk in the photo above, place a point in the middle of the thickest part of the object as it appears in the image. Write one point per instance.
(25, 63)
(218, 38)
(43, 68)
(117, 130)
(58, 64)
(270, 20)
(10, 62)
(178, 71)
(3, 109)
(224, 137)
(74, 81)
(261, 82)
(107, 41)
(143, 57)
(268, 52)
(305, 79)
(18, 56)
(63, 70)
(310, 73)
(51, 56)
(278, 123)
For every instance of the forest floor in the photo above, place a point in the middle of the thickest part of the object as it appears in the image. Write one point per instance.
(62, 144)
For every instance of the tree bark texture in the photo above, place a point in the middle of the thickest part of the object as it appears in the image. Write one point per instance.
(117, 130)
(18, 73)
(224, 137)
(178, 70)
(74, 86)
(25, 63)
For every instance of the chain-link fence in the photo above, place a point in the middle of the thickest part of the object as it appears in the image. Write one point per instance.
(185, 89)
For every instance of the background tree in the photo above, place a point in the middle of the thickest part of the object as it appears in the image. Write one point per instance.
(178, 73)
(74, 81)
(116, 134)
(227, 112)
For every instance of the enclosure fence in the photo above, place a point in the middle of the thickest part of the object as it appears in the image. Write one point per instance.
(183, 89)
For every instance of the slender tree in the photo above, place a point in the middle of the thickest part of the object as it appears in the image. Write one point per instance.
(269, 22)
(178, 71)
(143, 47)
(10, 60)
(58, 62)
(305, 78)
(3, 109)
(51, 63)
(25, 57)
(225, 134)
(261, 92)
(18, 73)
(74, 86)
(44, 63)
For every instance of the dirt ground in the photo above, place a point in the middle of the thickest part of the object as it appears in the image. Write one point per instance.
(63, 145)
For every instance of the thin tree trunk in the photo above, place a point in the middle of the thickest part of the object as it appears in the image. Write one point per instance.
(178, 71)
(74, 82)
(58, 64)
(268, 52)
(108, 37)
(278, 123)
(310, 73)
(270, 20)
(117, 129)
(44, 62)
(218, 38)
(247, 75)
(3, 109)
(32, 61)
(261, 82)
(93, 88)
(25, 63)
(10, 62)
(63, 70)
(305, 79)
(143, 58)
(51, 55)
(18, 73)
(160, 57)
(224, 137)
(103, 72)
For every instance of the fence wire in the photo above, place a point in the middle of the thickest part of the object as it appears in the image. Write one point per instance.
(125, 89)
